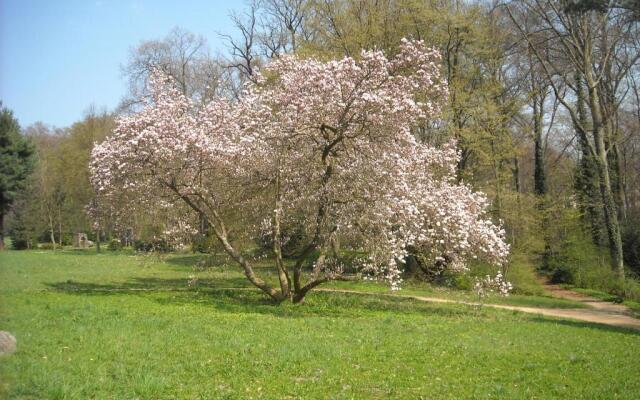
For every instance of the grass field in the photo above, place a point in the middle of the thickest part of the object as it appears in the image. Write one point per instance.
(118, 326)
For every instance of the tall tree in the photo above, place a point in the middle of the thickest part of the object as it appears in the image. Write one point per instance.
(16, 163)
(182, 56)
(587, 42)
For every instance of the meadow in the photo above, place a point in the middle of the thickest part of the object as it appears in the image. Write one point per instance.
(123, 326)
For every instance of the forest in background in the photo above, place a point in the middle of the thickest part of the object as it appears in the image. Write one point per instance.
(544, 104)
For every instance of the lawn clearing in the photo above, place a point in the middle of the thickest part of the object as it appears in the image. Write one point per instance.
(122, 327)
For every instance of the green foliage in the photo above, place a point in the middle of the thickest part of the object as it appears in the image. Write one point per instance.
(202, 244)
(115, 245)
(631, 245)
(152, 245)
(56, 194)
(522, 221)
(520, 271)
(86, 330)
(295, 239)
(46, 246)
(16, 158)
(16, 163)
(22, 237)
(19, 239)
(577, 261)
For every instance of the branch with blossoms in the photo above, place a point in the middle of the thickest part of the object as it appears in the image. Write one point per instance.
(487, 285)
(329, 145)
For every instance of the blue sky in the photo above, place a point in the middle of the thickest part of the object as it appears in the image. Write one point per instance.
(58, 57)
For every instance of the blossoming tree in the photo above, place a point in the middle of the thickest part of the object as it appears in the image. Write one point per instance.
(328, 146)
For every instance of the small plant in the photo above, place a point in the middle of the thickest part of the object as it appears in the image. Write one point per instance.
(483, 287)
(193, 281)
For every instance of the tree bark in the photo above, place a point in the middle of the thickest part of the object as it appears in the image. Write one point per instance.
(283, 277)
(539, 179)
(52, 232)
(608, 200)
(587, 175)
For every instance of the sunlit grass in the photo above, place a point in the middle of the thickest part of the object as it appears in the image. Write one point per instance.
(120, 327)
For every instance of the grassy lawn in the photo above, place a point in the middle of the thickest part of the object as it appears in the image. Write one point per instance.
(117, 326)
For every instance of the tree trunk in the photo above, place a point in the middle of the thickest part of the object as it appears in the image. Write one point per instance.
(283, 277)
(587, 176)
(617, 177)
(608, 200)
(52, 232)
(516, 174)
(611, 219)
(59, 229)
(539, 178)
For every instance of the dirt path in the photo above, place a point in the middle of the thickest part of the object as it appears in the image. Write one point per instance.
(600, 312)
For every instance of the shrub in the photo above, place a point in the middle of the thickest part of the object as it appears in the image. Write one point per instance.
(115, 245)
(19, 236)
(204, 244)
(159, 245)
(18, 241)
(562, 274)
(631, 246)
(581, 263)
(45, 246)
(294, 239)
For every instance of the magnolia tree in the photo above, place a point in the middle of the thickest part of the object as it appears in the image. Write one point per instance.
(328, 146)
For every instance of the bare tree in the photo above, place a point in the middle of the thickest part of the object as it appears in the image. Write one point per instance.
(181, 55)
(586, 42)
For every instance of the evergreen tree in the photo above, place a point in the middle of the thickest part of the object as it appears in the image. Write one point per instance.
(16, 162)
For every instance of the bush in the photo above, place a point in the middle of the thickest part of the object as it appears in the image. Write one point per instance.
(19, 243)
(115, 245)
(295, 239)
(584, 265)
(45, 246)
(67, 239)
(562, 274)
(204, 244)
(350, 260)
(19, 236)
(159, 245)
(631, 246)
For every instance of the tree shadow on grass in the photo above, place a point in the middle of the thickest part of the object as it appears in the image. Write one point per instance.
(235, 295)
(583, 324)
(322, 304)
(217, 260)
(191, 260)
(141, 285)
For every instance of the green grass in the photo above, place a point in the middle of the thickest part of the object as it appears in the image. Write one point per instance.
(115, 326)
